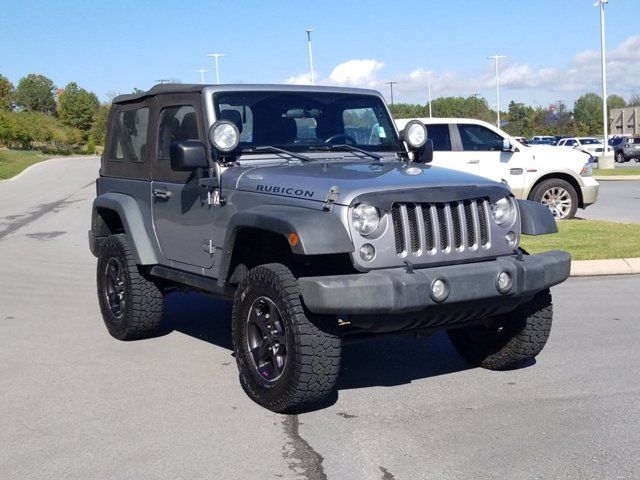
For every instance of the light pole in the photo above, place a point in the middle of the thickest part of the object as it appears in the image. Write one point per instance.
(429, 72)
(202, 72)
(216, 56)
(603, 60)
(309, 30)
(391, 84)
(496, 58)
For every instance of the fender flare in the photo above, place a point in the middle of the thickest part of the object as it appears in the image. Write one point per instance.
(133, 222)
(319, 232)
(536, 219)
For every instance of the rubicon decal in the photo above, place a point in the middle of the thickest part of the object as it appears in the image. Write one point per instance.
(298, 192)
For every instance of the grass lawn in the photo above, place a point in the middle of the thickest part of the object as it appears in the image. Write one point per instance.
(13, 162)
(589, 240)
(616, 171)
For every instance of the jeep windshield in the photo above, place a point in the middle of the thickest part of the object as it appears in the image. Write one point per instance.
(305, 121)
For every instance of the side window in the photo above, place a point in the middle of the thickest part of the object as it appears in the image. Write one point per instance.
(134, 124)
(570, 143)
(440, 136)
(176, 123)
(479, 138)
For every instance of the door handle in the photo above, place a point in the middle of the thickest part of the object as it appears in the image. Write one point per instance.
(473, 161)
(161, 194)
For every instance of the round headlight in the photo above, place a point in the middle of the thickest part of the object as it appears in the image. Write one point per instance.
(503, 211)
(415, 134)
(224, 135)
(365, 218)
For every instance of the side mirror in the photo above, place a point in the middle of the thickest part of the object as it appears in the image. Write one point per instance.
(506, 145)
(187, 155)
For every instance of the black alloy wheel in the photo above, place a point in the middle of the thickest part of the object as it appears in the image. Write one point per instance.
(115, 292)
(266, 339)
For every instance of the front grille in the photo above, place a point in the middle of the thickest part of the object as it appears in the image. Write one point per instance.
(431, 228)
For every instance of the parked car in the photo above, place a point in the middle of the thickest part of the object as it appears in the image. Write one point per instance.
(257, 194)
(626, 148)
(551, 140)
(558, 178)
(590, 145)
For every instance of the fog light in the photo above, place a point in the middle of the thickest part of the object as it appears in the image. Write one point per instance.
(511, 239)
(439, 290)
(367, 252)
(504, 282)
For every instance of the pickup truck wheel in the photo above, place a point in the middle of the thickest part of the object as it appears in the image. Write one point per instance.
(506, 342)
(620, 157)
(131, 303)
(557, 195)
(288, 360)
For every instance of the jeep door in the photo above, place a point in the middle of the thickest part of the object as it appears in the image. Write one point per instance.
(480, 150)
(182, 218)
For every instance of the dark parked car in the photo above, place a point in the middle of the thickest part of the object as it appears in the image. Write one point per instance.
(626, 148)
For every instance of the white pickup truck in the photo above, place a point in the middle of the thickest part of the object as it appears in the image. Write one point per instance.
(558, 178)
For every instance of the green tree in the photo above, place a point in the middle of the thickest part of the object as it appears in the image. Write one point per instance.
(461, 107)
(615, 101)
(35, 93)
(99, 128)
(77, 107)
(6, 93)
(588, 111)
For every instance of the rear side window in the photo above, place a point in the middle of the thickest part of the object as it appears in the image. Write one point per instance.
(479, 138)
(440, 136)
(176, 124)
(134, 125)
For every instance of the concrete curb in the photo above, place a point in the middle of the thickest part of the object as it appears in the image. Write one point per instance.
(616, 178)
(616, 266)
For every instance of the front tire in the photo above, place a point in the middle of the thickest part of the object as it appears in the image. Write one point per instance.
(620, 157)
(557, 195)
(288, 360)
(509, 341)
(131, 303)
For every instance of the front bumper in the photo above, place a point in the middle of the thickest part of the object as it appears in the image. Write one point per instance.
(397, 291)
(589, 191)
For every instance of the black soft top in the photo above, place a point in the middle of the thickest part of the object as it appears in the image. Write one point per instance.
(158, 89)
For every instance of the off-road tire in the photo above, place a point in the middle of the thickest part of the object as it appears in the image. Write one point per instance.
(556, 183)
(141, 315)
(313, 348)
(515, 339)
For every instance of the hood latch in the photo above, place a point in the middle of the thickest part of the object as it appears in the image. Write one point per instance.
(332, 197)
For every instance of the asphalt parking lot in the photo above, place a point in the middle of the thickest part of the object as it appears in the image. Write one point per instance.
(78, 404)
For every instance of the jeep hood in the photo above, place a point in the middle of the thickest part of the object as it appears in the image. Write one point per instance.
(313, 181)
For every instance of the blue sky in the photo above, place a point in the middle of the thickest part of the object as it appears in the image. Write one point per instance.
(552, 46)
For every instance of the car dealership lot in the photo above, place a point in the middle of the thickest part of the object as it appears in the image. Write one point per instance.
(78, 404)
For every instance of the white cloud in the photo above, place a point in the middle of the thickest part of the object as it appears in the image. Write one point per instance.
(356, 73)
(580, 75)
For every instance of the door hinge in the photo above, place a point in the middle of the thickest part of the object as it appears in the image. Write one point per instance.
(332, 197)
(214, 198)
(209, 247)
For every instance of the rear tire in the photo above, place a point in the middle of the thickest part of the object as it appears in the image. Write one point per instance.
(288, 359)
(507, 342)
(131, 303)
(557, 195)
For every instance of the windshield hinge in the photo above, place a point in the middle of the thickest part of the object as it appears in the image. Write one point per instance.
(332, 197)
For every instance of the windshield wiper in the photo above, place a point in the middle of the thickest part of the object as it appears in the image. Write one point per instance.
(280, 151)
(349, 148)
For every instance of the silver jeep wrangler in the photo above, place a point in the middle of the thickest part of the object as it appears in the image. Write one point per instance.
(323, 224)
